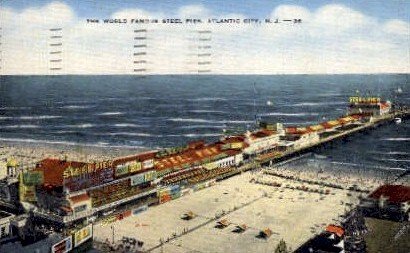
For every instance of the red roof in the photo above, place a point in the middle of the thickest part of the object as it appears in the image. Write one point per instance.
(339, 231)
(196, 144)
(297, 130)
(137, 157)
(188, 157)
(356, 116)
(53, 170)
(231, 152)
(394, 193)
(262, 133)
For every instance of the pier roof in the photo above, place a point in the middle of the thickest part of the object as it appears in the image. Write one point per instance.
(188, 157)
(53, 169)
(262, 133)
(137, 157)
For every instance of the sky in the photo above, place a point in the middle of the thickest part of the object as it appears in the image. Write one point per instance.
(334, 37)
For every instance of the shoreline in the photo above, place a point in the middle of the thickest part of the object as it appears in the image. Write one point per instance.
(27, 153)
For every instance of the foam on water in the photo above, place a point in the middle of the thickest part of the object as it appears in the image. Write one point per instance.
(109, 113)
(21, 126)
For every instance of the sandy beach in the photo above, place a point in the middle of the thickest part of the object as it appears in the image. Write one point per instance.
(291, 214)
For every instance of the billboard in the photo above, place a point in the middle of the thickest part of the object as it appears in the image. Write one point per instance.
(135, 166)
(148, 164)
(88, 168)
(121, 170)
(94, 178)
(237, 145)
(33, 177)
(83, 235)
(211, 165)
(63, 246)
(150, 175)
(137, 179)
(26, 192)
(368, 100)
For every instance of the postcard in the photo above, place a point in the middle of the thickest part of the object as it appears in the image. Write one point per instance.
(206, 126)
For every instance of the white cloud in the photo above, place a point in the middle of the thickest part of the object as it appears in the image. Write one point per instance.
(194, 11)
(135, 14)
(291, 12)
(53, 14)
(340, 18)
(331, 39)
(396, 26)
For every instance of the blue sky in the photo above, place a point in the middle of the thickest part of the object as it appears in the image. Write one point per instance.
(253, 8)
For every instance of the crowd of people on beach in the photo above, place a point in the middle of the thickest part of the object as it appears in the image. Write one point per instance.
(339, 180)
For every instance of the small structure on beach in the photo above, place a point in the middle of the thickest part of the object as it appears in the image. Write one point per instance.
(265, 233)
(240, 228)
(334, 229)
(188, 216)
(222, 224)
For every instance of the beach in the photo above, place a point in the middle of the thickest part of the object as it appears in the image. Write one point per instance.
(291, 213)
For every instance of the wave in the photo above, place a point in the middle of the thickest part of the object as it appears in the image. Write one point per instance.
(289, 114)
(65, 132)
(318, 103)
(300, 123)
(207, 111)
(202, 126)
(396, 139)
(39, 117)
(69, 143)
(31, 117)
(392, 160)
(389, 153)
(202, 135)
(198, 120)
(330, 94)
(188, 120)
(238, 121)
(109, 113)
(208, 99)
(126, 125)
(361, 165)
(85, 125)
(21, 126)
(129, 134)
(194, 135)
(75, 107)
(14, 107)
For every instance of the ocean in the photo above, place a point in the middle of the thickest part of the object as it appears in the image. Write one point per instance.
(164, 111)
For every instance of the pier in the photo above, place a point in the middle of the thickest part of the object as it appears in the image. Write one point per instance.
(374, 122)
